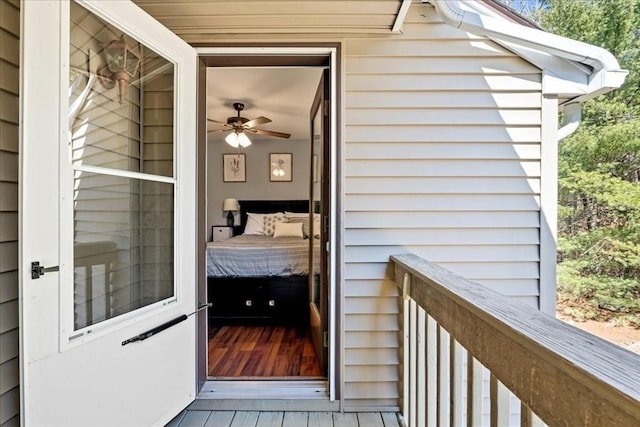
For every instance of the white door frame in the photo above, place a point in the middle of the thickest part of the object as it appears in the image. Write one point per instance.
(335, 216)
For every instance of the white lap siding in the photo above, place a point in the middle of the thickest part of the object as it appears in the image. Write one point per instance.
(441, 159)
(9, 112)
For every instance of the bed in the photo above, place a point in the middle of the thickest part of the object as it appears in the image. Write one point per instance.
(254, 279)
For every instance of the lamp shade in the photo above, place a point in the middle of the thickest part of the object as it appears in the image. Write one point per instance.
(230, 205)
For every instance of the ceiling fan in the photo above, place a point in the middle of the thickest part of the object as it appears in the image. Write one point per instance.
(240, 125)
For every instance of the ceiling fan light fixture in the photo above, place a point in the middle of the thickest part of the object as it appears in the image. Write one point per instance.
(238, 140)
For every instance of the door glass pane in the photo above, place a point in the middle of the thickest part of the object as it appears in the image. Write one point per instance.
(121, 97)
(316, 199)
(123, 246)
(121, 119)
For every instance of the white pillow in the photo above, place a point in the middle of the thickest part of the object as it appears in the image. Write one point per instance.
(288, 229)
(296, 214)
(255, 224)
(269, 222)
(301, 220)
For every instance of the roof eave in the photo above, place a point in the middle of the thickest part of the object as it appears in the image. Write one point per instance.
(601, 70)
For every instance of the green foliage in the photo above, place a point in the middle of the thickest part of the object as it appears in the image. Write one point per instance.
(599, 168)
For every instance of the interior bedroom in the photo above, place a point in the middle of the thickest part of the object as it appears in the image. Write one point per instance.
(264, 180)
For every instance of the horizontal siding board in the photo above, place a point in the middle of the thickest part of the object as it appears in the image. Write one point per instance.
(437, 65)
(461, 150)
(442, 202)
(440, 133)
(9, 18)
(9, 345)
(9, 107)
(8, 256)
(444, 100)
(378, 287)
(9, 229)
(472, 271)
(373, 390)
(10, 51)
(452, 236)
(8, 286)
(439, 253)
(9, 375)
(441, 168)
(363, 357)
(10, 408)
(371, 322)
(8, 316)
(424, 48)
(366, 374)
(446, 219)
(379, 339)
(365, 305)
(9, 77)
(440, 117)
(425, 82)
(442, 185)
(9, 136)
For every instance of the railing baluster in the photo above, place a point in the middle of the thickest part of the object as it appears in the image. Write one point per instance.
(413, 356)
(421, 419)
(405, 353)
(499, 403)
(443, 377)
(528, 418)
(474, 392)
(432, 372)
(457, 376)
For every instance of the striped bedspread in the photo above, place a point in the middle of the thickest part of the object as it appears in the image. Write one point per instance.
(258, 256)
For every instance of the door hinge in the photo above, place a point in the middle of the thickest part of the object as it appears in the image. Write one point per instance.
(326, 339)
(37, 270)
(325, 107)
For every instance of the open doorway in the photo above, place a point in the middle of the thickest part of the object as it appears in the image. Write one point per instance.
(266, 220)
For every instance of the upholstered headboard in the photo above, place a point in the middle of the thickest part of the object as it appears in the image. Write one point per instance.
(269, 206)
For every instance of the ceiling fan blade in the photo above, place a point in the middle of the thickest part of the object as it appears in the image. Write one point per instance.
(216, 122)
(255, 122)
(270, 133)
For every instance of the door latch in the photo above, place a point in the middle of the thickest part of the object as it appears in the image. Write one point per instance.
(38, 270)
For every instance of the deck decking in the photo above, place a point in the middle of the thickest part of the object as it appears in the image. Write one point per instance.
(194, 418)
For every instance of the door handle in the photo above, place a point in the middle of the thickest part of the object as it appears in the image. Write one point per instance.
(38, 270)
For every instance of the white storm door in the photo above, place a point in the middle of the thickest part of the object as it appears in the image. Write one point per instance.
(108, 210)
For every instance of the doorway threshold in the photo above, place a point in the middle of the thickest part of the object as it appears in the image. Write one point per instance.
(279, 395)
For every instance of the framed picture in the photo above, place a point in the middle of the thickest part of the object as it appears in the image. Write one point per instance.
(234, 168)
(280, 167)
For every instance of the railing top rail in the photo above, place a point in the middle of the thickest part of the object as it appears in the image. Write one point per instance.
(547, 363)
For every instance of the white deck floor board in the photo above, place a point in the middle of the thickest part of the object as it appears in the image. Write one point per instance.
(220, 419)
(205, 418)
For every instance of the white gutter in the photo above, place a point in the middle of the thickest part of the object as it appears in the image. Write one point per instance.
(572, 113)
(607, 73)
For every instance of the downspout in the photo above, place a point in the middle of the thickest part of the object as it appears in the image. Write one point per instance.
(607, 72)
(572, 113)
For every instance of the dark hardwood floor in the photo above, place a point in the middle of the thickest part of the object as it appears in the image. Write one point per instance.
(262, 351)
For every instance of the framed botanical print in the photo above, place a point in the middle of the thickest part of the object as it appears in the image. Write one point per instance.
(234, 168)
(280, 167)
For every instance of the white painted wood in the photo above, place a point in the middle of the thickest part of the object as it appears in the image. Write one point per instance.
(421, 374)
(549, 206)
(412, 377)
(406, 353)
(444, 377)
(499, 403)
(474, 392)
(432, 372)
(457, 378)
(124, 373)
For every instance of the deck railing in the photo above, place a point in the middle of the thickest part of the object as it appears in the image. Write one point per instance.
(457, 333)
